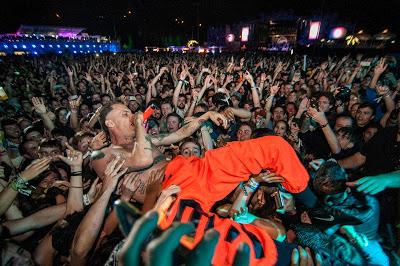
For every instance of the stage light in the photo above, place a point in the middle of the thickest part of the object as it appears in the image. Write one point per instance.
(60, 52)
(5, 46)
(35, 52)
(74, 52)
(15, 47)
(58, 46)
(33, 46)
(66, 45)
(80, 46)
(245, 34)
(94, 45)
(42, 45)
(87, 45)
(101, 51)
(230, 37)
(314, 30)
(24, 46)
(338, 33)
(73, 45)
(50, 45)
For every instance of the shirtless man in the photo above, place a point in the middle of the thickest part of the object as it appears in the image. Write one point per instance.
(130, 142)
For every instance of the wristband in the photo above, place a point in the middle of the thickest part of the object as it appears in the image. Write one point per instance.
(21, 186)
(253, 184)
(243, 187)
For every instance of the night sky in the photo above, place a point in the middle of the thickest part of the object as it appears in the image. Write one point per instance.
(157, 18)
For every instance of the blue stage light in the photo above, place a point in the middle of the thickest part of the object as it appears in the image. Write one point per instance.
(58, 46)
(73, 45)
(42, 45)
(15, 46)
(50, 45)
(67, 45)
(94, 45)
(60, 52)
(24, 46)
(35, 52)
(87, 45)
(74, 52)
(80, 46)
(33, 46)
(5, 46)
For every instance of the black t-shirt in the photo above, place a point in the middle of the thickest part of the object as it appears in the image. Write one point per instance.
(315, 143)
(382, 152)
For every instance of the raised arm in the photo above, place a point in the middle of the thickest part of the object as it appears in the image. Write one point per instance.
(378, 70)
(74, 106)
(89, 228)
(41, 109)
(330, 136)
(190, 128)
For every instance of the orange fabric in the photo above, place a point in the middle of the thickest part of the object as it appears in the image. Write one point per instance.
(210, 179)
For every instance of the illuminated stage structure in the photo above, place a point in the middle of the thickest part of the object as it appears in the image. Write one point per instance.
(286, 31)
(36, 40)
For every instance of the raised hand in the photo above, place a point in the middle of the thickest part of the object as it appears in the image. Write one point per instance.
(380, 67)
(382, 90)
(74, 104)
(94, 190)
(88, 77)
(74, 158)
(183, 74)
(274, 90)
(228, 112)
(112, 173)
(35, 168)
(38, 105)
(218, 119)
(99, 141)
(318, 117)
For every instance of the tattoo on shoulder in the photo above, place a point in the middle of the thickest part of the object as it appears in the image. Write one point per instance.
(97, 155)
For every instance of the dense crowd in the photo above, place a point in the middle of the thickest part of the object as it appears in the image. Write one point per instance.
(74, 140)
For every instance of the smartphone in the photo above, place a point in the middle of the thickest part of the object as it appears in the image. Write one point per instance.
(132, 98)
(73, 97)
(148, 112)
(365, 63)
(277, 199)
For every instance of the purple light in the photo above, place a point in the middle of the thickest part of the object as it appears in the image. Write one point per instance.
(230, 37)
(338, 33)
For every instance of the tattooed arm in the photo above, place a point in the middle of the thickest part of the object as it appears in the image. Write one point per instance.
(189, 129)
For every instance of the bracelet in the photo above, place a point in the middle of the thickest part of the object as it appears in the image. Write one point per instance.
(79, 173)
(74, 187)
(322, 126)
(86, 200)
(243, 187)
(253, 184)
